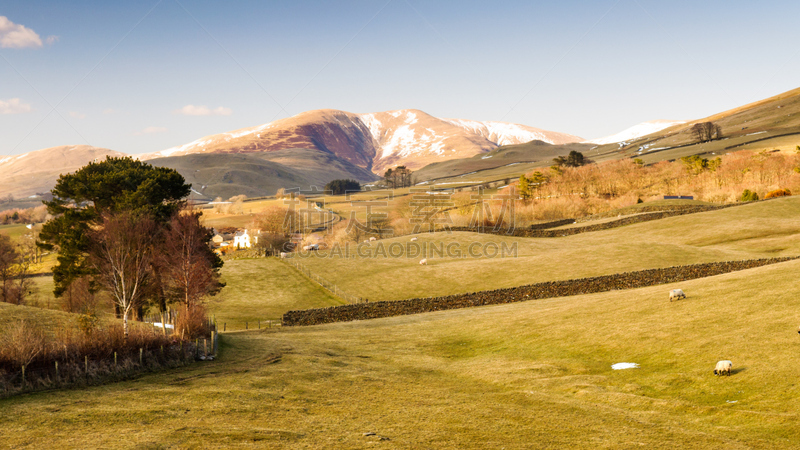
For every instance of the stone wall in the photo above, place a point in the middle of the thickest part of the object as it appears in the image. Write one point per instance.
(627, 280)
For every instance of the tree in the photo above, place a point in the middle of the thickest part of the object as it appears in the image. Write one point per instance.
(81, 199)
(399, 177)
(121, 251)
(574, 159)
(277, 225)
(706, 131)
(188, 268)
(15, 283)
(339, 187)
(524, 187)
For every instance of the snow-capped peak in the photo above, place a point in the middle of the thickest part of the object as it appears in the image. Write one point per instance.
(642, 129)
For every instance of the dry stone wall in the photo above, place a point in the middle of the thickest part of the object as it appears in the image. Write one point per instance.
(545, 230)
(627, 280)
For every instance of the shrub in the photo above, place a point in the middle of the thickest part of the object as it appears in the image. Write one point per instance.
(748, 196)
(777, 193)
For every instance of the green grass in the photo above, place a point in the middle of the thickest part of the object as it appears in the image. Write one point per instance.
(264, 289)
(531, 374)
(764, 229)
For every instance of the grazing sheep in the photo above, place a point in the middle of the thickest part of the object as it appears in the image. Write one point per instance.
(676, 294)
(723, 367)
(311, 247)
(284, 255)
(413, 239)
(372, 238)
(424, 262)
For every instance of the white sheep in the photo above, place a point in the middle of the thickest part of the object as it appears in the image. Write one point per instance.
(424, 262)
(284, 255)
(676, 294)
(372, 238)
(414, 239)
(723, 367)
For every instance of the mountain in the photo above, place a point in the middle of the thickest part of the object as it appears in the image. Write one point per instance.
(36, 172)
(372, 141)
(636, 131)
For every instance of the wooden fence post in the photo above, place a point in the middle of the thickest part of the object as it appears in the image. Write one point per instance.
(23, 377)
(115, 361)
(141, 356)
(57, 373)
(86, 365)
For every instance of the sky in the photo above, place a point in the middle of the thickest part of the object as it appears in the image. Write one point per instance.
(147, 75)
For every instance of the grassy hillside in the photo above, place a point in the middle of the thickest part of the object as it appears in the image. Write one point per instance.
(532, 374)
(264, 289)
(772, 123)
(259, 174)
(532, 152)
(764, 229)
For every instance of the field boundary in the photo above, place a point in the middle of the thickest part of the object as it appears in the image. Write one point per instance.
(550, 289)
(541, 232)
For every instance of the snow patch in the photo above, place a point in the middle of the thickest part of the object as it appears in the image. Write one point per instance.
(624, 365)
(639, 130)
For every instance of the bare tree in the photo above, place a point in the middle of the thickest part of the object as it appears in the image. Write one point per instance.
(187, 265)
(121, 253)
(15, 283)
(706, 131)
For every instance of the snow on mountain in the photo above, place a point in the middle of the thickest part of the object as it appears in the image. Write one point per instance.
(374, 141)
(642, 129)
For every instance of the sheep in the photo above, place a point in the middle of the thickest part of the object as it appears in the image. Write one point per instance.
(372, 238)
(311, 247)
(413, 239)
(424, 262)
(676, 294)
(284, 255)
(723, 367)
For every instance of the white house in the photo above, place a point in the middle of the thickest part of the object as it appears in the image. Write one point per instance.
(241, 239)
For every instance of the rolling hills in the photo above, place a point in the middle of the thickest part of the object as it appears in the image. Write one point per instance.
(504, 376)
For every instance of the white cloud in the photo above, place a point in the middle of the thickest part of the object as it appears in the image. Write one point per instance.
(77, 115)
(109, 111)
(192, 110)
(151, 130)
(13, 35)
(52, 40)
(14, 106)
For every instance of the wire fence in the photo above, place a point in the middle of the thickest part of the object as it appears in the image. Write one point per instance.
(71, 369)
(331, 287)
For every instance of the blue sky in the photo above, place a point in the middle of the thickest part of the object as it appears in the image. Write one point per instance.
(147, 75)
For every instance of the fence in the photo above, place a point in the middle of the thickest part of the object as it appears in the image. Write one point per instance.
(550, 289)
(97, 364)
(255, 324)
(84, 370)
(329, 286)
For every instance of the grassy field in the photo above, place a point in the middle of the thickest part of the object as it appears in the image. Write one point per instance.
(759, 230)
(526, 375)
(263, 289)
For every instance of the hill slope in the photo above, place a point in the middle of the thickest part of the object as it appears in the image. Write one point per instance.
(260, 174)
(37, 172)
